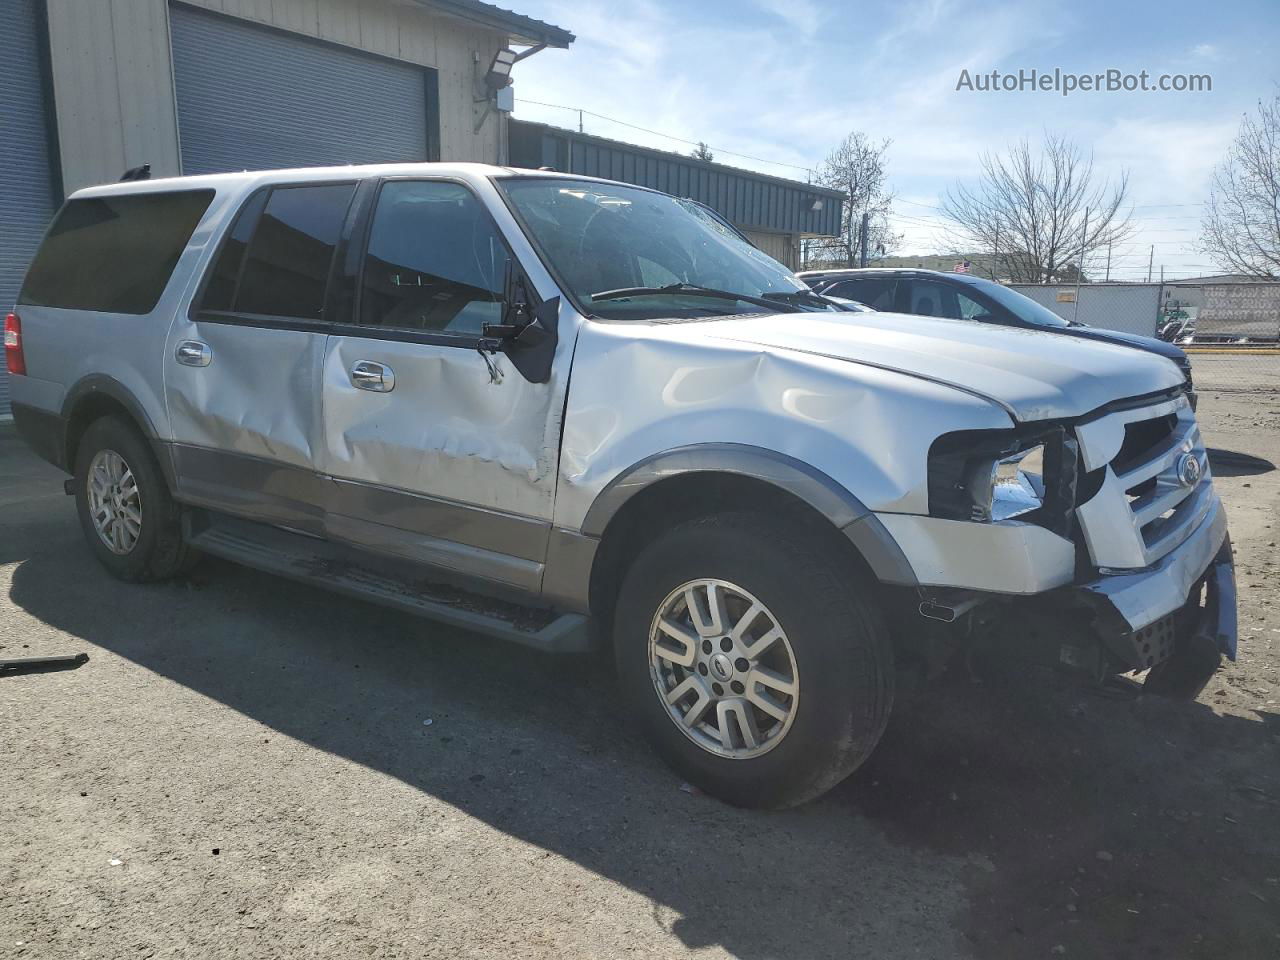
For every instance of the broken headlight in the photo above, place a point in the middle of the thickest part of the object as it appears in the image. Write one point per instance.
(1009, 487)
(987, 476)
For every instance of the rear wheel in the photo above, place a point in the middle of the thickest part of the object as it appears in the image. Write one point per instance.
(755, 664)
(130, 521)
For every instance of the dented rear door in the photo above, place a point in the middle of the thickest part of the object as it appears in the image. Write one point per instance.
(243, 368)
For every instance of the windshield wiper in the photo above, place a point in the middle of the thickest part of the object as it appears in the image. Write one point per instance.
(693, 290)
(801, 296)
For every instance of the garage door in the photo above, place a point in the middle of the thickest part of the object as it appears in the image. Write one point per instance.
(783, 247)
(26, 187)
(252, 98)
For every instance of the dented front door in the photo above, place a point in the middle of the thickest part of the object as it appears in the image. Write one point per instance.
(437, 453)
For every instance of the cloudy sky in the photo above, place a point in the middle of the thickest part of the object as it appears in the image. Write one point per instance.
(784, 80)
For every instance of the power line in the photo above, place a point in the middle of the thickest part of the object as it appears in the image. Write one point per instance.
(917, 204)
(659, 133)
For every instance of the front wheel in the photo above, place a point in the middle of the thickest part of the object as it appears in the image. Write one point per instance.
(754, 661)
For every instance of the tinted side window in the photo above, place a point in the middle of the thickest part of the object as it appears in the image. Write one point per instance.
(220, 292)
(971, 309)
(874, 292)
(435, 260)
(113, 254)
(932, 299)
(287, 265)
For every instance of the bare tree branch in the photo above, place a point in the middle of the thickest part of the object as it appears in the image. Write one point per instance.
(856, 167)
(1039, 214)
(1242, 218)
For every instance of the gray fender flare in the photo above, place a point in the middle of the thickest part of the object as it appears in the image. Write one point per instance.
(845, 511)
(100, 384)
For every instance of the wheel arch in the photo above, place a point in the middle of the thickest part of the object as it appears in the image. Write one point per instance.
(685, 482)
(97, 396)
(786, 473)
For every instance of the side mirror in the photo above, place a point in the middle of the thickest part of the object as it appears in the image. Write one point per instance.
(527, 334)
(532, 334)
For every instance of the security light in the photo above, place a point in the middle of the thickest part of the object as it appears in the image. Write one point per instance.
(499, 73)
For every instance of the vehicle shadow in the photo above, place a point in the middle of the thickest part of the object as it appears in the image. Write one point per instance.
(980, 819)
(1230, 463)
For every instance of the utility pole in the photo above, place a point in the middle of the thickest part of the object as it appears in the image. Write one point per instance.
(580, 121)
(1084, 240)
(1160, 297)
(1108, 261)
(1151, 261)
(862, 240)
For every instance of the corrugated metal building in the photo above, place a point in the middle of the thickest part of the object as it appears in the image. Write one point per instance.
(93, 87)
(773, 212)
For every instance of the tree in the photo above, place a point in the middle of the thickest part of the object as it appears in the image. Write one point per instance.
(857, 168)
(1242, 219)
(702, 152)
(1041, 213)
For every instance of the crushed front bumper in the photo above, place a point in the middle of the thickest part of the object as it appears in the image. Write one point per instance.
(1146, 599)
(1175, 619)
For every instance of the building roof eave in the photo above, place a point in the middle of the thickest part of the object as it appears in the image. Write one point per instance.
(516, 25)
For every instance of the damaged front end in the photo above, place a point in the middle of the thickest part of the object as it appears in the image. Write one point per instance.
(1153, 589)
(1080, 629)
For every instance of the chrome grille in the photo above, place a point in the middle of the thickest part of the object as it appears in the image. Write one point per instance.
(1151, 497)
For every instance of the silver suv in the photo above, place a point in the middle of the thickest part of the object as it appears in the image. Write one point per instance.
(526, 403)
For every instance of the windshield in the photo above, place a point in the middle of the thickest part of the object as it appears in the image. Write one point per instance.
(603, 237)
(1024, 308)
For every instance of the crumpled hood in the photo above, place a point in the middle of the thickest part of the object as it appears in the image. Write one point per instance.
(1035, 375)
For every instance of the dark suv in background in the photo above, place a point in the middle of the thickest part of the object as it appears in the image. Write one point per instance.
(962, 296)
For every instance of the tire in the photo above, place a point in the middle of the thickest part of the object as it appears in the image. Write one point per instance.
(840, 662)
(1185, 674)
(155, 550)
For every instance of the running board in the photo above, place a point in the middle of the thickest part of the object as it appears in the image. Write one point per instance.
(334, 567)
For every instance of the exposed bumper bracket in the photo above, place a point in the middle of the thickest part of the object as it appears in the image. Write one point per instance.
(1218, 617)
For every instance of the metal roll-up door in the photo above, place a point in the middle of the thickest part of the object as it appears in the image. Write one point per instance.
(783, 247)
(27, 201)
(254, 98)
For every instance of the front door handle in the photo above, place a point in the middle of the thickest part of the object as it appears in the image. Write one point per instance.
(193, 353)
(368, 375)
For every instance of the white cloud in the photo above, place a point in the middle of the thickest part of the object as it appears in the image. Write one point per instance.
(744, 85)
(802, 16)
(1205, 51)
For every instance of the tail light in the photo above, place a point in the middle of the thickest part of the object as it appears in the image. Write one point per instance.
(13, 345)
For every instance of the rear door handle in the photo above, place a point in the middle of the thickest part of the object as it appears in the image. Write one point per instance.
(369, 375)
(193, 353)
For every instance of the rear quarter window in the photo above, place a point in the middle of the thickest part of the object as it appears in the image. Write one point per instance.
(113, 254)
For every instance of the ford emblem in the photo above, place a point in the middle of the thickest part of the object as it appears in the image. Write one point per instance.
(1188, 469)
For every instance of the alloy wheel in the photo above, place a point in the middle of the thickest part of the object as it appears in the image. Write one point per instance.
(723, 668)
(115, 504)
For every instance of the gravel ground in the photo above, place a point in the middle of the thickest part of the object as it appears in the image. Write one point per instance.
(245, 768)
(1254, 372)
